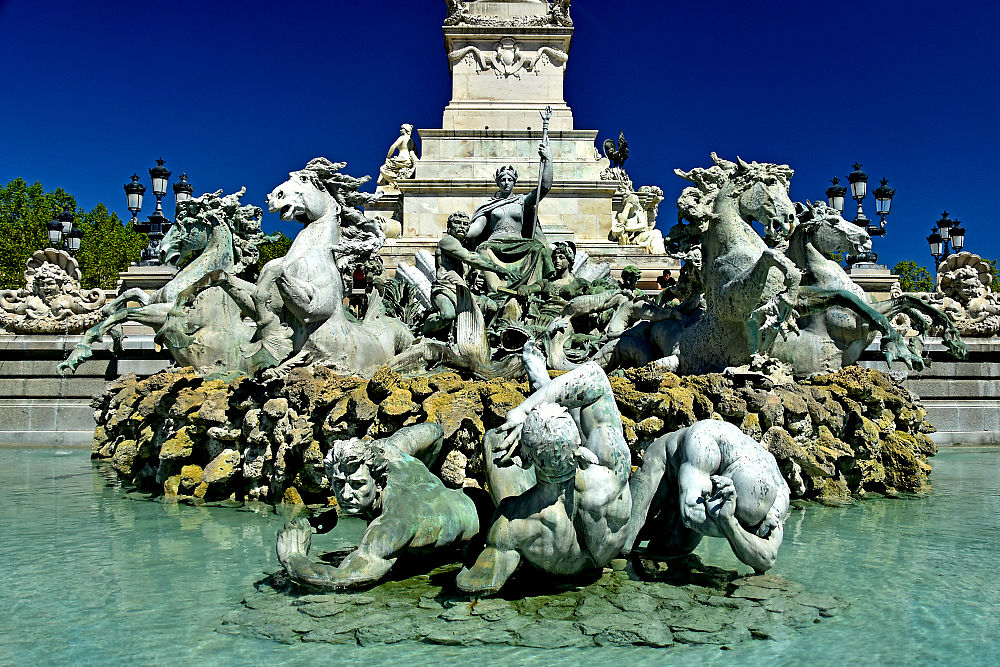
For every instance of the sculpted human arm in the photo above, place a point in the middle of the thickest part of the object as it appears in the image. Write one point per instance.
(384, 538)
(757, 552)
(579, 388)
(477, 226)
(453, 248)
(545, 153)
(421, 441)
(695, 487)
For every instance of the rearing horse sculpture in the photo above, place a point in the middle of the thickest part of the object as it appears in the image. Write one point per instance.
(297, 302)
(212, 233)
(836, 321)
(750, 290)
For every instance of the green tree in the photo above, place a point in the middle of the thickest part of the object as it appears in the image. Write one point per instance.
(276, 246)
(24, 211)
(107, 247)
(913, 277)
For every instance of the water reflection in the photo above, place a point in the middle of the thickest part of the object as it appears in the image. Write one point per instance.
(94, 576)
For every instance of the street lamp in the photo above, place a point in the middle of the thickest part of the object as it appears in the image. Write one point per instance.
(858, 181)
(835, 195)
(63, 232)
(157, 224)
(182, 190)
(947, 236)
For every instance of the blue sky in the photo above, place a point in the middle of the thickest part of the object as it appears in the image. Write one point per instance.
(239, 93)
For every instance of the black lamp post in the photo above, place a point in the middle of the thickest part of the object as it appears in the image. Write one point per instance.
(858, 181)
(947, 236)
(835, 195)
(63, 232)
(157, 224)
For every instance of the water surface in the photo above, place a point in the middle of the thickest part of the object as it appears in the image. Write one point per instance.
(94, 577)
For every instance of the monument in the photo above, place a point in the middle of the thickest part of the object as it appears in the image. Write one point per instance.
(507, 61)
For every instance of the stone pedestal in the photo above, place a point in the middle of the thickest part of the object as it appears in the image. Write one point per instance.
(962, 397)
(41, 408)
(146, 278)
(507, 61)
(875, 279)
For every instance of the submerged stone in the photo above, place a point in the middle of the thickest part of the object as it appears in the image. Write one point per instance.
(677, 602)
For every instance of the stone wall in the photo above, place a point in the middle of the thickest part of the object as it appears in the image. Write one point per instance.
(835, 436)
(962, 397)
(40, 408)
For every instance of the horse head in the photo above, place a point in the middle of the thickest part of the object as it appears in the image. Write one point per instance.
(189, 234)
(302, 198)
(763, 195)
(211, 223)
(828, 232)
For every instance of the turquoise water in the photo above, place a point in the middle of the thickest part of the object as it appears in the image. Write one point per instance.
(93, 577)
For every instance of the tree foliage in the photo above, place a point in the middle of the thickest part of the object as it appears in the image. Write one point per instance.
(276, 246)
(108, 246)
(913, 277)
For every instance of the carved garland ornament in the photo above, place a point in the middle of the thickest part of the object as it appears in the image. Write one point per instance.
(460, 14)
(507, 59)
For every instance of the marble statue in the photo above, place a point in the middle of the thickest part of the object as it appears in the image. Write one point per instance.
(52, 300)
(401, 160)
(211, 233)
(569, 510)
(964, 292)
(631, 226)
(385, 482)
(835, 320)
(297, 302)
(708, 479)
(505, 229)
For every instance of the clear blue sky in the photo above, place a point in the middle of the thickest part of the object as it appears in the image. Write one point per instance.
(239, 93)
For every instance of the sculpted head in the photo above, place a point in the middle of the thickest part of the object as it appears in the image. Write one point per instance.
(762, 499)
(563, 256)
(630, 276)
(353, 470)
(828, 231)
(406, 129)
(49, 281)
(963, 284)
(549, 438)
(458, 225)
(310, 193)
(506, 178)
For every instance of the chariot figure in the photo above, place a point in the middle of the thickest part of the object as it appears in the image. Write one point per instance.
(505, 229)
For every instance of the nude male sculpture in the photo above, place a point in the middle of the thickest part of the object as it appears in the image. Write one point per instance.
(453, 262)
(409, 508)
(575, 515)
(709, 479)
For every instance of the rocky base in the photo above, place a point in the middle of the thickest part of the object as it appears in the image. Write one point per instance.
(834, 436)
(638, 603)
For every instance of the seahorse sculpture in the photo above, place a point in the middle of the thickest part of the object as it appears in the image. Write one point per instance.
(212, 233)
(836, 321)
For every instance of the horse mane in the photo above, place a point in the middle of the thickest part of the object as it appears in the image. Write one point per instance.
(243, 222)
(325, 175)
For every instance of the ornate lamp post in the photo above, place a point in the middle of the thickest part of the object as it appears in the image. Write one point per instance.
(157, 224)
(947, 236)
(858, 181)
(63, 233)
